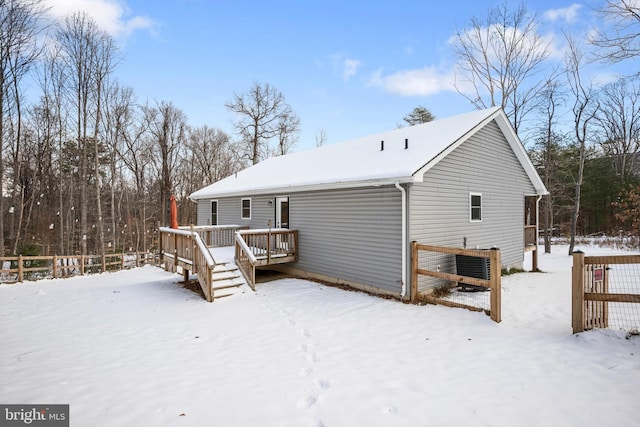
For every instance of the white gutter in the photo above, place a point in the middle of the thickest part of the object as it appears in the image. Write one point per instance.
(403, 292)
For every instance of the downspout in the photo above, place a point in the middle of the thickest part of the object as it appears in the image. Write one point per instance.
(403, 292)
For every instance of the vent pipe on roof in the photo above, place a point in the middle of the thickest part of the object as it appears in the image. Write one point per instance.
(406, 143)
(381, 145)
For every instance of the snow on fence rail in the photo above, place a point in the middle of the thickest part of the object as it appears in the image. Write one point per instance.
(18, 268)
(456, 277)
(605, 292)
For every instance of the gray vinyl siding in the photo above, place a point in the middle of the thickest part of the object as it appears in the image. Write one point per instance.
(439, 207)
(354, 235)
(229, 211)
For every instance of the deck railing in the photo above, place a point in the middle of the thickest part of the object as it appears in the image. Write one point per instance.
(186, 249)
(216, 236)
(264, 247)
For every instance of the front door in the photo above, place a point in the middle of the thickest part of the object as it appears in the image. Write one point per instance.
(282, 212)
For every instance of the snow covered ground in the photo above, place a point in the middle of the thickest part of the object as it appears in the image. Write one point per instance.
(135, 349)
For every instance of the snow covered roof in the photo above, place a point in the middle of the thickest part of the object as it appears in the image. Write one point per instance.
(364, 162)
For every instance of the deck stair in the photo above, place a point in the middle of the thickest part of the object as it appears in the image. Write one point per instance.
(190, 249)
(227, 280)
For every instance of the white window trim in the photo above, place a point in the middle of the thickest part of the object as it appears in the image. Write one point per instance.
(242, 209)
(211, 211)
(471, 207)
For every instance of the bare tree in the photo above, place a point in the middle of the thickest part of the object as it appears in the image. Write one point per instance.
(321, 137)
(549, 143)
(584, 111)
(104, 62)
(499, 60)
(288, 128)
(619, 125)
(78, 40)
(624, 40)
(167, 132)
(19, 25)
(261, 111)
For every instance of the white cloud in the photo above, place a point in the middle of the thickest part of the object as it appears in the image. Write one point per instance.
(112, 16)
(421, 82)
(350, 67)
(568, 14)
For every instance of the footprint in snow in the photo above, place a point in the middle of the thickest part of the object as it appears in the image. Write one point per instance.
(323, 384)
(307, 402)
(305, 371)
(305, 333)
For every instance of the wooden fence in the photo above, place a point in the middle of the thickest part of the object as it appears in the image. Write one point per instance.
(443, 268)
(595, 286)
(55, 266)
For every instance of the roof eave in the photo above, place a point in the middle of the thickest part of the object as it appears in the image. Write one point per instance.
(378, 182)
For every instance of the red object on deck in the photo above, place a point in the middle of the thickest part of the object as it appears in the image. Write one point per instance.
(174, 211)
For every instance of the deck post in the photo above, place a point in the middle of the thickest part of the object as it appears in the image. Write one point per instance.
(577, 291)
(174, 268)
(269, 245)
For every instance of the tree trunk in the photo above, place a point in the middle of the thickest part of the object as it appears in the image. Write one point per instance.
(576, 206)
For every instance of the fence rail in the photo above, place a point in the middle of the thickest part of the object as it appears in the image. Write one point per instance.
(442, 267)
(602, 289)
(55, 266)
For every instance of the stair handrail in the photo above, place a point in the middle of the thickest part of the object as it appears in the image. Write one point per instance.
(248, 271)
(197, 239)
(204, 272)
(246, 248)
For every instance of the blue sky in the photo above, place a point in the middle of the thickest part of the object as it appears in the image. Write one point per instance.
(351, 68)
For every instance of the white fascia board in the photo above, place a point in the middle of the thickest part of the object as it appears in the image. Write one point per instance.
(312, 187)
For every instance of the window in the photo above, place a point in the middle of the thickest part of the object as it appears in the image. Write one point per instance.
(214, 212)
(475, 207)
(246, 209)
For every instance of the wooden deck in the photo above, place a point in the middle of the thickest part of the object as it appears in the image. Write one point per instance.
(257, 248)
(190, 249)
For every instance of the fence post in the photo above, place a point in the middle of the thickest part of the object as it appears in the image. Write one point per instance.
(414, 271)
(55, 266)
(122, 268)
(104, 263)
(577, 291)
(495, 269)
(20, 269)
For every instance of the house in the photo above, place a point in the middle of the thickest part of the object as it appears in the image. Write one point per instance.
(464, 181)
